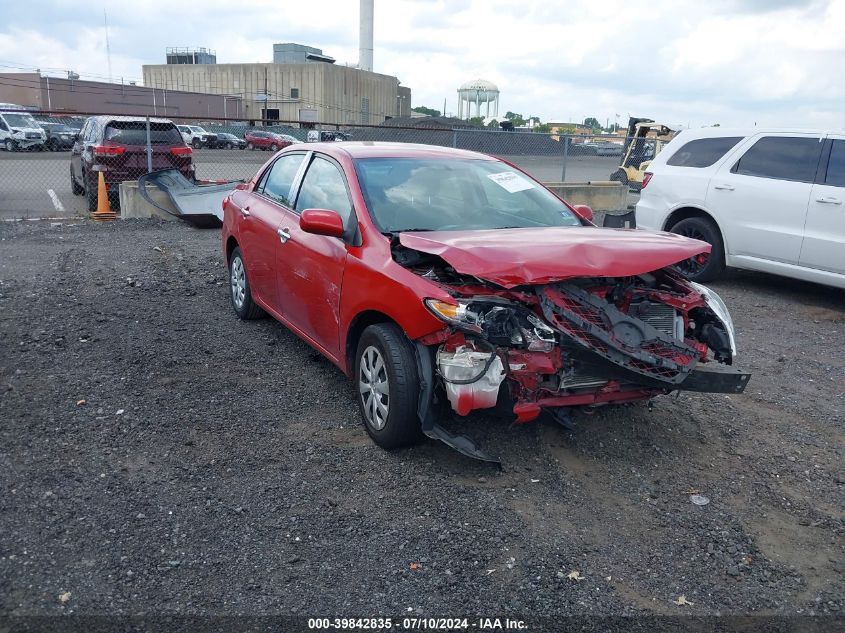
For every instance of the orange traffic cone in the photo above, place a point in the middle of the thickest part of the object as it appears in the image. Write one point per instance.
(103, 212)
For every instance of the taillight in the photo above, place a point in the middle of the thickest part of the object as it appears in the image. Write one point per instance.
(181, 151)
(647, 178)
(108, 150)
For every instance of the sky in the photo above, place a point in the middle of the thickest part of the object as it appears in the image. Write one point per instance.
(682, 62)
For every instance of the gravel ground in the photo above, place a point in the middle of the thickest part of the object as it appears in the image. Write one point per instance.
(159, 455)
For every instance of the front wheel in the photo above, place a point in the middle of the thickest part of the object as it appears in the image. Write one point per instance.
(10, 145)
(388, 386)
(702, 267)
(274, 148)
(241, 294)
(196, 143)
(619, 176)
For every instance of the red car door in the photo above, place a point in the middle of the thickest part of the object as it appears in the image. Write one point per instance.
(262, 211)
(311, 267)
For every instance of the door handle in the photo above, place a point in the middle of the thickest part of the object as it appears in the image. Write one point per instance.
(245, 211)
(829, 200)
(284, 234)
(724, 187)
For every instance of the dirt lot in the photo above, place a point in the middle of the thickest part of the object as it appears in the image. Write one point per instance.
(159, 455)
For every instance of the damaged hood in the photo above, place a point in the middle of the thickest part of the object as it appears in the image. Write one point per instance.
(513, 257)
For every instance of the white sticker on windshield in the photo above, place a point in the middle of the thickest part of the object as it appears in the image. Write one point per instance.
(511, 181)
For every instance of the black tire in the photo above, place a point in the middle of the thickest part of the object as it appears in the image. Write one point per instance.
(75, 187)
(401, 427)
(11, 146)
(701, 269)
(274, 148)
(228, 146)
(248, 309)
(90, 194)
(619, 176)
(196, 143)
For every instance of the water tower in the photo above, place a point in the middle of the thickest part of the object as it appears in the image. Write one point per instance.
(476, 92)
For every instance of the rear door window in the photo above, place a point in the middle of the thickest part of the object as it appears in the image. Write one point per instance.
(703, 152)
(278, 181)
(781, 157)
(835, 175)
(135, 133)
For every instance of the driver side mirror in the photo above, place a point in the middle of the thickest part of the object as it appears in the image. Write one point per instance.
(321, 222)
(584, 212)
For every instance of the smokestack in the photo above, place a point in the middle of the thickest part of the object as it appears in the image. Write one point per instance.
(365, 36)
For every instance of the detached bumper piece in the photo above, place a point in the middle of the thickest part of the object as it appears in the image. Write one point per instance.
(713, 378)
(200, 205)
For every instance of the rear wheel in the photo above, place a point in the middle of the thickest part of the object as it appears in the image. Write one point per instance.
(241, 295)
(196, 143)
(250, 145)
(274, 148)
(228, 145)
(388, 386)
(75, 187)
(702, 267)
(90, 195)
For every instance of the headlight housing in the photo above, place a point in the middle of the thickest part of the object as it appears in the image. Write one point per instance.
(715, 303)
(457, 314)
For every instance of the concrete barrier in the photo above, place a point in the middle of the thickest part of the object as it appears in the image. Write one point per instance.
(132, 205)
(599, 195)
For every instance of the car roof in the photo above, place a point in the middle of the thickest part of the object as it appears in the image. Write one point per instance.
(374, 149)
(711, 132)
(130, 119)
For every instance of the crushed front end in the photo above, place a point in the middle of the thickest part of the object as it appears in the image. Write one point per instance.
(576, 342)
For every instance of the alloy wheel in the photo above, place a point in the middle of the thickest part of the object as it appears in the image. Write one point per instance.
(238, 282)
(374, 387)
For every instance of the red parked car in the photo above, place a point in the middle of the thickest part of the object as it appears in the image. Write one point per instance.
(438, 278)
(258, 139)
(116, 146)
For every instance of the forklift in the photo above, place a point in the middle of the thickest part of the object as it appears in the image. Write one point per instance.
(644, 141)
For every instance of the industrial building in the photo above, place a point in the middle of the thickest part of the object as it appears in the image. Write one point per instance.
(71, 94)
(301, 83)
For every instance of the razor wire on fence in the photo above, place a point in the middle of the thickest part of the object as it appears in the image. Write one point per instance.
(43, 177)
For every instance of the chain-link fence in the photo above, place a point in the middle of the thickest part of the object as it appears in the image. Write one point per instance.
(57, 175)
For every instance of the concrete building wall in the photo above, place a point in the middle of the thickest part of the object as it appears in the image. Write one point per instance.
(21, 89)
(338, 94)
(74, 95)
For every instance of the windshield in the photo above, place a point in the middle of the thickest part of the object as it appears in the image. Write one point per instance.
(135, 133)
(20, 120)
(442, 194)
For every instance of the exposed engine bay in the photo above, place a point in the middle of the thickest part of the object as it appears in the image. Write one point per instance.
(575, 342)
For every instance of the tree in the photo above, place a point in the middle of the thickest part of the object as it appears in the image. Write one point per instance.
(515, 118)
(426, 111)
(477, 120)
(592, 122)
(544, 128)
(494, 124)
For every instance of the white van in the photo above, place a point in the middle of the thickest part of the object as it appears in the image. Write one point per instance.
(768, 200)
(18, 130)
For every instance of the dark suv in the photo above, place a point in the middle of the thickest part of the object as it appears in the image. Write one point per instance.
(116, 146)
(59, 136)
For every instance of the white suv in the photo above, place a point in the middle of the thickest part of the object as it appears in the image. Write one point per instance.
(769, 200)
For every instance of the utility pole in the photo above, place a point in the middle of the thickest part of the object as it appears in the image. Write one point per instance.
(108, 48)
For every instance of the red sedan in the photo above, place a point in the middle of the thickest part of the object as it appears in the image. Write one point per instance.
(258, 139)
(442, 279)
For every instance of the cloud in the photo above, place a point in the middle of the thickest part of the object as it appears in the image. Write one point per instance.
(774, 62)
